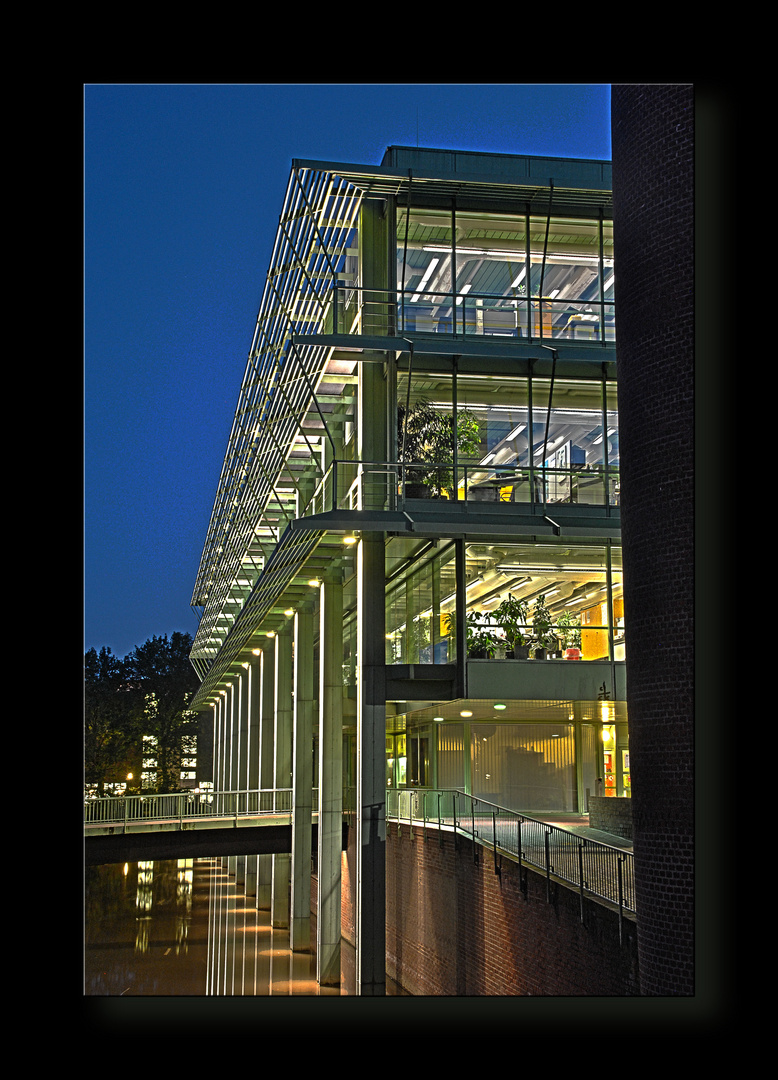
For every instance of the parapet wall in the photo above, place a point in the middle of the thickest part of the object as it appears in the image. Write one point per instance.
(456, 927)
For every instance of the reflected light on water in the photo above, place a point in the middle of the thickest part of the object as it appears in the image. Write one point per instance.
(177, 929)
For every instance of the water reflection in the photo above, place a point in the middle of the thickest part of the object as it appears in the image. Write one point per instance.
(185, 927)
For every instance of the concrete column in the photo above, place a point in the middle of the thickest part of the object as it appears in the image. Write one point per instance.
(233, 699)
(244, 729)
(371, 779)
(266, 696)
(372, 434)
(252, 715)
(279, 908)
(302, 797)
(215, 749)
(234, 696)
(328, 926)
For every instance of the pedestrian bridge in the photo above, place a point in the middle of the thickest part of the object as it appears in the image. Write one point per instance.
(190, 825)
(259, 822)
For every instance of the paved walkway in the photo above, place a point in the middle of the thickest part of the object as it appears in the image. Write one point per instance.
(579, 824)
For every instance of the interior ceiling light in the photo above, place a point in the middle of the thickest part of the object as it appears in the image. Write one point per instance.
(465, 712)
(349, 539)
(438, 719)
(499, 706)
(427, 275)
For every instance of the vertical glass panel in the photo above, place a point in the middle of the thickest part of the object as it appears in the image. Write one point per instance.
(529, 767)
(612, 445)
(425, 435)
(617, 592)
(424, 281)
(607, 252)
(562, 592)
(418, 604)
(571, 457)
(418, 743)
(491, 270)
(570, 282)
(590, 763)
(450, 756)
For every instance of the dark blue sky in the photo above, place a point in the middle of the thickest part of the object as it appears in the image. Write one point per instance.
(183, 186)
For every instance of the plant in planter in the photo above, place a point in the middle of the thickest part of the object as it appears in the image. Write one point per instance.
(543, 640)
(468, 444)
(482, 642)
(569, 631)
(426, 435)
(415, 446)
(512, 616)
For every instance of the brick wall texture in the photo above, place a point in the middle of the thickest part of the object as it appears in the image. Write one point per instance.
(653, 192)
(456, 928)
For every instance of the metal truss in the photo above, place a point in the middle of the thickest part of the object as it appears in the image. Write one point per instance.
(276, 441)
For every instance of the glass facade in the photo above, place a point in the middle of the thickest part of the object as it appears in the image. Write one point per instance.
(483, 431)
(518, 439)
(507, 275)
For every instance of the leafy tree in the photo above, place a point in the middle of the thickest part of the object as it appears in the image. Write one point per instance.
(161, 681)
(110, 738)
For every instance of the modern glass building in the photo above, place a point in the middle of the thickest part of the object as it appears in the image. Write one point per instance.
(412, 574)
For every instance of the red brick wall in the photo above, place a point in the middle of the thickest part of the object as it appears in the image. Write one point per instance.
(454, 927)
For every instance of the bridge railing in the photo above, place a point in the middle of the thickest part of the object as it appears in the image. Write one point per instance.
(129, 809)
(591, 867)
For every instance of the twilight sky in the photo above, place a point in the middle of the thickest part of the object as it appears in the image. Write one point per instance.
(183, 185)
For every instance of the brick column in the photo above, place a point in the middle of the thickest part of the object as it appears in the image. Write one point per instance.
(653, 199)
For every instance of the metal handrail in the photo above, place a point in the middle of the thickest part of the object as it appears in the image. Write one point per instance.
(385, 485)
(358, 309)
(593, 868)
(186, 805)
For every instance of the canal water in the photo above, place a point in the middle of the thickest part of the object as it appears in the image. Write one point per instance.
(185, 928)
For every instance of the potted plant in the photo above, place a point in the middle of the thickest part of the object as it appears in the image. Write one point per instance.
(512, 616)
(468, 444)
(414, 446)
(481, 641)
(426, 436)
(543, 640)
(569, 630)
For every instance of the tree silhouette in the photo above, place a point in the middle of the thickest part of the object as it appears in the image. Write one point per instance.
(161, 681)
(145, 694)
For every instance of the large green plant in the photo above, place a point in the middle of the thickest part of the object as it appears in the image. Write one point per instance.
(480, 636)
(512, 616)
(426, 435)
(542, 636)
(569, 629)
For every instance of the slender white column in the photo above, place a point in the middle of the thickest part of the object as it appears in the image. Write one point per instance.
(266, 695)
(328, 921)
(279, 907)
(302, 795)
(252, 714)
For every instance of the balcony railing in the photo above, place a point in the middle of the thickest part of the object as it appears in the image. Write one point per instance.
(592, 868)
(382, 312)
(180, 806)
(382, 485)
